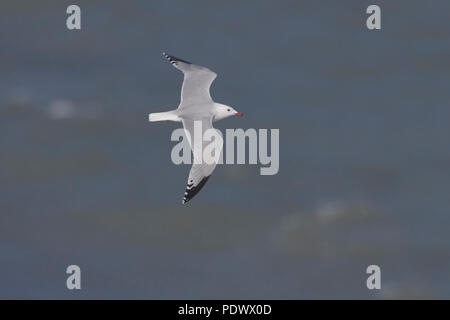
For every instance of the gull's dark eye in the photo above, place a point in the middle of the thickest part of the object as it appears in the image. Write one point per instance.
(228, 109)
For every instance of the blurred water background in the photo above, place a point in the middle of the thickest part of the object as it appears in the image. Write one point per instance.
(364, 150)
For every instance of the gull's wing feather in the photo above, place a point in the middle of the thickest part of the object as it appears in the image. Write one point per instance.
(196, 84)
(199, 173)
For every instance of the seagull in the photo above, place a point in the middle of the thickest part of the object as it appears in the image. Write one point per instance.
(196, 105)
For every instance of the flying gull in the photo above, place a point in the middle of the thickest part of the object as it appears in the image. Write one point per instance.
(196, 105)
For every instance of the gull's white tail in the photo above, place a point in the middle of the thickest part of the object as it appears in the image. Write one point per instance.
(163, 116)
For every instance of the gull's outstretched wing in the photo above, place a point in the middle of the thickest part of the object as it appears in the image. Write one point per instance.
(199, 173)
(196, 84)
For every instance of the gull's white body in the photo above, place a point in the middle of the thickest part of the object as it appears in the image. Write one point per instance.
(196, 105)
(215, 110)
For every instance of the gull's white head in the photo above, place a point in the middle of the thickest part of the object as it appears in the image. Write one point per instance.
(223, 111)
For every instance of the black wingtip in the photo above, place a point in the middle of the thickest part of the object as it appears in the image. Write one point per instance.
(174, 60)
(191, 191)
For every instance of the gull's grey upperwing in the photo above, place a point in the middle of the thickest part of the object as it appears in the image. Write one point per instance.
(196, 84)
(199, 173)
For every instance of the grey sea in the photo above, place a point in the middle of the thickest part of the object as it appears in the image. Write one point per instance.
(364, 174)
